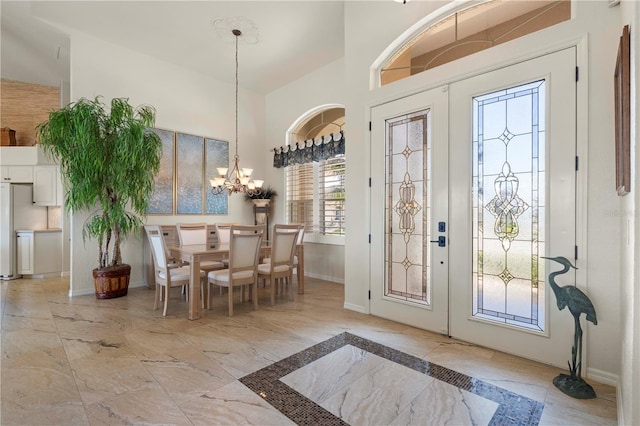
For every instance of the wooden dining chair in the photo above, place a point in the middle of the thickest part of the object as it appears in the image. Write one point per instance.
(280, 265)
(244, 247)
(223, 234)
(196, 233)
(166, 277)
(297, 264)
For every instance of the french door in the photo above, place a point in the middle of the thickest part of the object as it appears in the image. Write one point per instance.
(409, 203)
(497, 192)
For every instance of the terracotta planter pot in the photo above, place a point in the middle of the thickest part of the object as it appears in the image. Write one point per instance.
(111, 282)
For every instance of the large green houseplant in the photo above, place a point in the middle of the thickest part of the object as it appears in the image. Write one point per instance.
(108, 159)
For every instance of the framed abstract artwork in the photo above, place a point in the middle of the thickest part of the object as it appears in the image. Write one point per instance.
(622, 90)
(182, 183)
(162, 199)
(216, 155)
(189, 168)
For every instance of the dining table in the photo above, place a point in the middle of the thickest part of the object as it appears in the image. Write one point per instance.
(197, 253)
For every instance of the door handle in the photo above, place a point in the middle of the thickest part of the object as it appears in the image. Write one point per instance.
(442, 241)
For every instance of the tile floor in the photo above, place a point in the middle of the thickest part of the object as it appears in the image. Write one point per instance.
(88, 361)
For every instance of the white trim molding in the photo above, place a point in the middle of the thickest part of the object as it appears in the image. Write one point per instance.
(603, 377)
(356, 308)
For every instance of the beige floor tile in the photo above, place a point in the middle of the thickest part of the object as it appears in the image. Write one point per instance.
(188, 374)
(379, 396)
(444, 404)
(233, 404)
(331, 374)
(142, 406)
(82, 360)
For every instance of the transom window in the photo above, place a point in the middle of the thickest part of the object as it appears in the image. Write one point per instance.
(472, 30)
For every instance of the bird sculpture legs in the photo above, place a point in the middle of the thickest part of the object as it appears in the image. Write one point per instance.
(573, 385)
(576, 365)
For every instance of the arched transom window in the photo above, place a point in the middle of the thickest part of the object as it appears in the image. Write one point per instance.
(314, 163)
(471, 30)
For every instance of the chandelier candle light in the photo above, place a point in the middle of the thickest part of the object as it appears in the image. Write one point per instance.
(236, 180)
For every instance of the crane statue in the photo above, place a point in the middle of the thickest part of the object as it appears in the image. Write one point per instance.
(578, 303)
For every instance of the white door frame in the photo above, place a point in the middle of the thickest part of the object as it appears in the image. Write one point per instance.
(493, 59)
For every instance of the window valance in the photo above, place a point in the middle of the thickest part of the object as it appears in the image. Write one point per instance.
(310, 150)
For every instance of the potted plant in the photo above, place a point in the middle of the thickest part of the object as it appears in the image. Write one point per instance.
(261, 205)
(262, 198)
(108, 161)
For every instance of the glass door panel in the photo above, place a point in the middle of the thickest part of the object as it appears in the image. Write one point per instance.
(513, 143)
(407, 213)
(508, 171)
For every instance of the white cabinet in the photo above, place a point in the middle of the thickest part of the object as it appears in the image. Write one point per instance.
(46, 185)
(25, 253)
(39, 252)
(16, 174)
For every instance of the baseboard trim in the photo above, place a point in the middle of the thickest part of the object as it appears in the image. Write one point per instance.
(88, 291)
(138, 284)
(82, 292)
(603, 377)
(353, 307)
(324, 277)
(42, 276)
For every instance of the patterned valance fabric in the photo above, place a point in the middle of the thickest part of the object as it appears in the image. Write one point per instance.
(310, 150)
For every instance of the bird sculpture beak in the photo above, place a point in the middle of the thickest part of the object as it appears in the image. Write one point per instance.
(551, 258)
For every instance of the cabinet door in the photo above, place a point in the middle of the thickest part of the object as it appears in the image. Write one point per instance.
(45, 186)
(47, 253)
(25, 253)
(17, 174)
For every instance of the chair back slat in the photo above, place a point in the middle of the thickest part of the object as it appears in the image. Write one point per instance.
(192, 233)
(223, 231)
(301, 234)
(158, 248)
(244, 247)
(285, 238)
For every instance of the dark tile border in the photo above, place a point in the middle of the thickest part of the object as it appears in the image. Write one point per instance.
(513, 409)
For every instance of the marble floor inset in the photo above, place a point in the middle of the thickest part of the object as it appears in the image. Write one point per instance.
(84, 361)
(363, 382)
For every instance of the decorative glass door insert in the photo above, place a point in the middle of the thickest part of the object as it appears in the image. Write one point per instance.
(407, 212)
(508, 206)
(409, 196)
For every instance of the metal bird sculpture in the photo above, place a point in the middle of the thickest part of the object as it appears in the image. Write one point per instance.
(578, 303)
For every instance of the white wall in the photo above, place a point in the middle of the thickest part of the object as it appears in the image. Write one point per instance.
(283, 107)
(185, 101)
(371, 26)
(629, 388)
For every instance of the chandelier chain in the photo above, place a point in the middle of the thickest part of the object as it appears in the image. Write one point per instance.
(236, 180)
(237, 37)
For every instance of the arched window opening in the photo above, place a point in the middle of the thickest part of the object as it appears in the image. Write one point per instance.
(472, 30)
(315, 185)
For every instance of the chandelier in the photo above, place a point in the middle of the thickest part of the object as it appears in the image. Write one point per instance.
(236, 179)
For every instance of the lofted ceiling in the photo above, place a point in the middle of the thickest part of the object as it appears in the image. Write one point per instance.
(295, 37)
